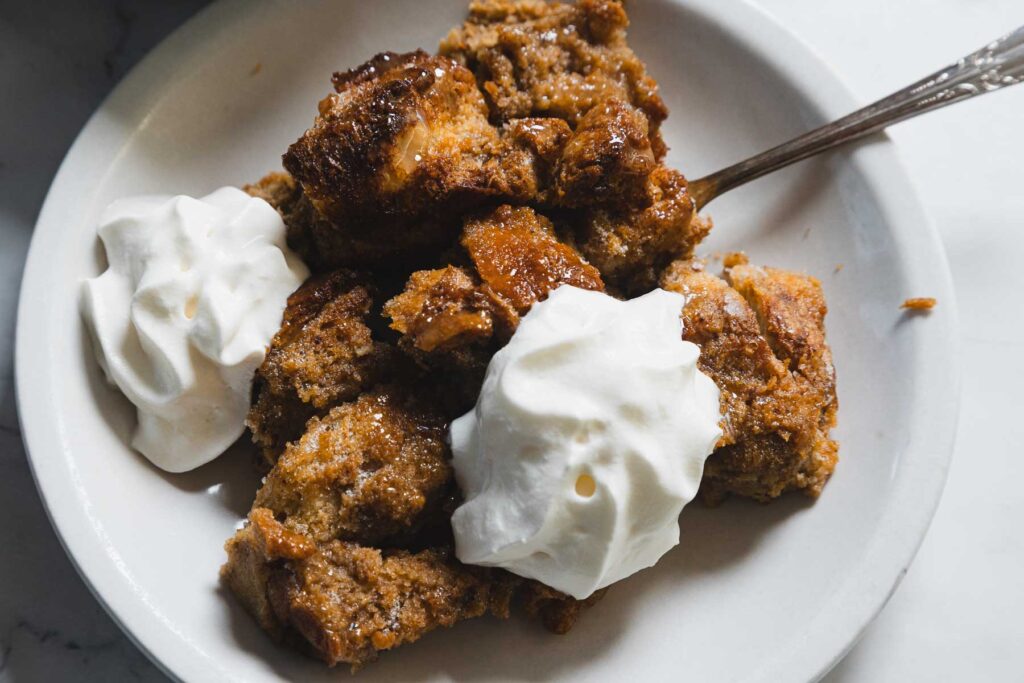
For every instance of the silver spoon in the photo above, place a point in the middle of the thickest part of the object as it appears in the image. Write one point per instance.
(997, 65)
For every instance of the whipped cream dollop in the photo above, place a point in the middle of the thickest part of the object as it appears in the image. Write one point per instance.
(182, 318)
(588, 438)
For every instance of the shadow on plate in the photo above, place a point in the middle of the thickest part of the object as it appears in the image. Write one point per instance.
(233, 477)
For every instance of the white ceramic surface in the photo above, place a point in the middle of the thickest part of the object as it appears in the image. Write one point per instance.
(753, 593)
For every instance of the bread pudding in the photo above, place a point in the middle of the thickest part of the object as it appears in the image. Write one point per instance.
(437, 199)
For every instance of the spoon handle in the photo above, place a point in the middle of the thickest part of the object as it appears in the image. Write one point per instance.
(997, 65)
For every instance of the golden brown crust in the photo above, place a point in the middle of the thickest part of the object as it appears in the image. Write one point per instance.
(733, 352)
(520, 259)
(323, 354)
(443, 309)
(457, 317)
(557, 611)
(516, 260)
(404, 149)
(777, 411)
(390, 599)
(395, 155)
(281, 191)
(734, 258)
(408, 144)
(632, 244)
(607, 160)
(403, 133)
(343, 602)
(277, 189)
(346, 603)
(450, 327)
(545, 139)
(790, 309)
(371, 471)
(374, 471)
(252, 552)
(533, 58)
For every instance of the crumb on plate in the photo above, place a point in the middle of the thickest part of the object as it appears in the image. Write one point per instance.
(735, 258)
(921, 303)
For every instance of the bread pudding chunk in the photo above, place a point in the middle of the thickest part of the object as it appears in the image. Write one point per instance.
(323, 354)
(456, 317)
(630, 244)
(372, 470)
(778, 397)
(445, 309)
(402, 146)
(345, 603)
(535, 58)
(607, 160)
(520, 259)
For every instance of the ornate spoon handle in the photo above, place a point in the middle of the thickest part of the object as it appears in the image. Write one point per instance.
(997, 65)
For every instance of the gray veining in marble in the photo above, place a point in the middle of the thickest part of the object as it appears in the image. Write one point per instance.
(57, 61)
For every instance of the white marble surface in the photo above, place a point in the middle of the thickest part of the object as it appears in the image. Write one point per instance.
(957, 615)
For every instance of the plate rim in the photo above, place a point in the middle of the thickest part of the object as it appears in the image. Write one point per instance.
(923, 467)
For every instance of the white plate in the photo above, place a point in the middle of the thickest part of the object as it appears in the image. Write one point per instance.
(769, 593)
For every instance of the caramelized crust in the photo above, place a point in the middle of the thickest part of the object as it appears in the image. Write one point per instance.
(254, 552)
(395, 155)
(343, 602)
(404, 149)
(300, 218)
(322, 355)
(450, 326)
(608, 159)
(733, 352)
(775, 420)
(520, 259)
(403, 133)
(375, 471)
(346, 603)
(389, 599)
(444, 309)
(790, 309)
(277, 189)
(545, 139)
(453, 319)
(370, 471)
(533, 58)
(631, 245)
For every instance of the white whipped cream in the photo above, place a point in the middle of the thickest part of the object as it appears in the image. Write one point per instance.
(183, 316)
(588, 438)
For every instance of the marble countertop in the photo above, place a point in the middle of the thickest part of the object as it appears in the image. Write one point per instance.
(956, 615)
